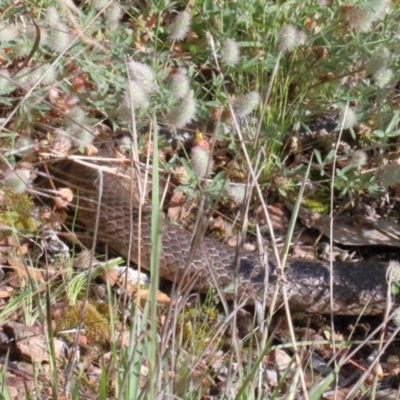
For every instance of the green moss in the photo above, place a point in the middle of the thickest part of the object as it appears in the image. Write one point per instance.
(95, 325)
(318, 202)
(316, 205)
(17, 210)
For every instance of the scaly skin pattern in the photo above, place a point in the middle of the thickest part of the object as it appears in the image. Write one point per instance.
(358, 288)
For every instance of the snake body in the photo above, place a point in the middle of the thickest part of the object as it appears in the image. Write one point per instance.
(357, 288)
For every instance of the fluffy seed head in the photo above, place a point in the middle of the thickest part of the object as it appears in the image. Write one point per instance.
(52, 16)
(380, 7)
(289, 38)
(50, 74)
(380, 58)
(394, 267)
(348, 117)
(76, 116)
(230, 53)
(62, 141)
(362, 18)
(24, 145)
(31, 33)
(98, 4)
(301, 38)
(180, 26)
(390, 175)
(23, 47)
(396, 317)
(359, 158)
(236, 192)
(183, 113)
(143, 75)
(125, 143)
(6, 87)
(60, 39)
(24, 78)
(180, 85)
(8, 32)
(81, 136)
(136, 96)
(113, 14)
(246, 104)
(17, 180)
(383, 77)
(201, 161)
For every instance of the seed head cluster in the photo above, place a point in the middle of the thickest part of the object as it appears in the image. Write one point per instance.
(183, 113)
(201, 161)
(230, 53)
(246, 104)
(179, 28)
(290, 37)
(348, 117)
(180, 85)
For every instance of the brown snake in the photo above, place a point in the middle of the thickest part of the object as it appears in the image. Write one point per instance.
(358, 288)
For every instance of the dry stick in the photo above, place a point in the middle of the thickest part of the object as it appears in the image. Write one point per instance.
(134, 162)
(268, 94)
(331, 242)
(73, 359)
(141, 187)
(283, 287)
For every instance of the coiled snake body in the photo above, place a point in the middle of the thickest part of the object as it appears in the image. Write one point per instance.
(357, 287)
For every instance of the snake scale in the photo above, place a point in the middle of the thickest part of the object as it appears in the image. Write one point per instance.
(358, 288)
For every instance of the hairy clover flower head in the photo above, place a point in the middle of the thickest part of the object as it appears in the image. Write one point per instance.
(136, 95)
(23, 47)
(113, 14)
(81, 135)
(359, 158)
(60, 39)
(348, 117)
(17, 180)
(383, 77)
(24, 145)
(47, 71)
(246, 104)
(98, 4)
(24, 78)
(379, 59)
(230, 53)
(201, 161)
(362, 18)
(179, 28)
(53, 17)
(8, 32)
(237, 192)
(394, 267)
(390, 175)
(143, 75)
(396, 317)
(6, 86)
(180, 85)
(76, 115)
(289, 38)
(183, 113)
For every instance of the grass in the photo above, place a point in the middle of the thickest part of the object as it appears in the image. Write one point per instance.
(261, 75)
